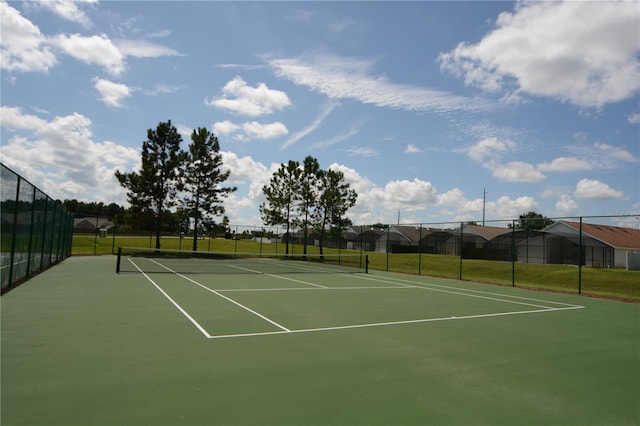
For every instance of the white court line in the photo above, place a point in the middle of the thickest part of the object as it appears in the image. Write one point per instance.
(226, 290)
(317, 268)
(383, 324)
(278, 276)
(464, 292)
(396, 285)
(194, 322)
(223, 296)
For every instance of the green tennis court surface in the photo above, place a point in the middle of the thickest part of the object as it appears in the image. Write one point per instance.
(82, 345)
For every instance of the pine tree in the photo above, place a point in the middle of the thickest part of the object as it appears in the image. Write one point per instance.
(308, 195)
(335, 198)
(201, 180)
(282, 195)
(154, 188)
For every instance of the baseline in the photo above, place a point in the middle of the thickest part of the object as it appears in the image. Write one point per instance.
(390, 323)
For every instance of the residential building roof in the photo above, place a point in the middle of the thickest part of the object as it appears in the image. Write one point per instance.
(486, 232)
(614, 236)
(411, 233)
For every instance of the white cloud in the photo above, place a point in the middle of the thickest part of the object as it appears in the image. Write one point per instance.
(61, 154)
(111, 93)
(615, 152)
(565, 164)
(349, 78)
(145, 49)
(412, 149)
(239, 97)
(23, 47)
(489, 148)
(505, 207)
(546, 49)
(489, 152)
(97, 49)
(596, 190)
(69, 10)
(517, 171)
(13, 118)
(255, 130)
(358, 182)
(634, 118)
(566, 205)
(225, 127)
(250, 130)
(405, 195)
(246, 170)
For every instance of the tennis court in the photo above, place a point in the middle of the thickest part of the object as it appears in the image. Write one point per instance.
(168, 342)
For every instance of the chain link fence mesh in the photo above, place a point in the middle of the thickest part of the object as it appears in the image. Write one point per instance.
(36, 232)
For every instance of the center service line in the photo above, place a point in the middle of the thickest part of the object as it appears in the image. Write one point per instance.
(224, 297)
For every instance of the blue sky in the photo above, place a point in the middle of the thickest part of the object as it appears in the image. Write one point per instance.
(422, 105)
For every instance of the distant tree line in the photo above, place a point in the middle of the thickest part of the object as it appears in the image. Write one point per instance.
(133, 219)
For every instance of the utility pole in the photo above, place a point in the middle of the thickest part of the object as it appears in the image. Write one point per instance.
(484, 202)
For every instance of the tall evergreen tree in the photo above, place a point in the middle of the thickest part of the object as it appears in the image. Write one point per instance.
(282, 193)
(201, 180)
(335, 198)
(154, 187)
(308, 195)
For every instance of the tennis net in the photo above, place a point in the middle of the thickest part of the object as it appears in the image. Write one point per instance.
(135, 259)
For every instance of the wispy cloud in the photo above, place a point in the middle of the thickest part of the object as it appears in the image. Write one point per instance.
(337, 139)
(324, 113)
(362, 151)
(145, 49)
(68, 10)
(351, 78)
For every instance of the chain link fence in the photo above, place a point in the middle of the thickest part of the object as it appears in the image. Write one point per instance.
(36, 232)
(597, 255)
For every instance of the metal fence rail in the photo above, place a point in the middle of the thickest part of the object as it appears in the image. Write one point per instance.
(35, 234)
(596, 255)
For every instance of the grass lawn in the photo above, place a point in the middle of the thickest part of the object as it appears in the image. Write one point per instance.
(600, 282)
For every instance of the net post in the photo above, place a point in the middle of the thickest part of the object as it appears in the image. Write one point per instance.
(118, 261)
(366, 263)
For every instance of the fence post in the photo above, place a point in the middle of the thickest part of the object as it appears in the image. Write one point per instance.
(420, 252)
(33, 219)
(461, 232)
(513, 253)
(580, 260)
(95, 236)
(15, 233)
(388, 245)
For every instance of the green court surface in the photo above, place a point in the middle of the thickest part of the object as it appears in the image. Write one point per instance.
(82, 345)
